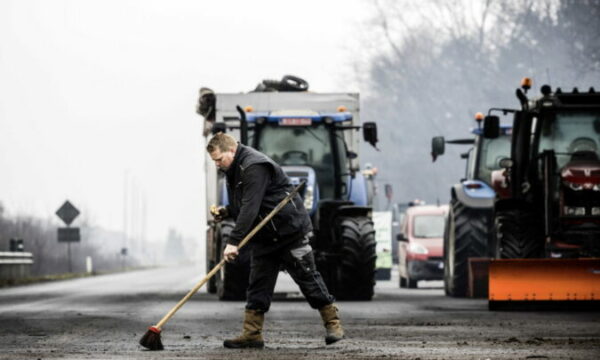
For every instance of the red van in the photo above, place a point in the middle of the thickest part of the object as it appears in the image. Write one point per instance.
(421, 247)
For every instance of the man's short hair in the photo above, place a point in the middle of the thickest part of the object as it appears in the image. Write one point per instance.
(221, 141)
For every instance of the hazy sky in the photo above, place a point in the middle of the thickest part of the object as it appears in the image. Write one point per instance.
(95, 95)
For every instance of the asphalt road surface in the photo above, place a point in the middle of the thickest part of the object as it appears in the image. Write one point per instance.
(103, 317)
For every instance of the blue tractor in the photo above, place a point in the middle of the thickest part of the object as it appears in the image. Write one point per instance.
(469, 226)
(312, 136)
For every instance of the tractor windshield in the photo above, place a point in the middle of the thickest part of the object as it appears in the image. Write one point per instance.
(570, 132)
(306, 145)
(491, 152)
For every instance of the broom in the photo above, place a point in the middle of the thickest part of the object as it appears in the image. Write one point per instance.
(151, 339)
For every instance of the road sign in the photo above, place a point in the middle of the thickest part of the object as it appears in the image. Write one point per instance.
(67, 212)
(68, 235)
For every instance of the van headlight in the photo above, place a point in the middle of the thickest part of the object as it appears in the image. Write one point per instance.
(417, 248)
(308, 198)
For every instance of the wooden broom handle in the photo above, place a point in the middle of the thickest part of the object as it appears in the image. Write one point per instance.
(222, 262)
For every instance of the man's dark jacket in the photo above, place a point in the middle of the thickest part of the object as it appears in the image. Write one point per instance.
(256, 185)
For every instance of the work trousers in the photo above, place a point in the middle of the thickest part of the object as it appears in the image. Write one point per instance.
(298, 260)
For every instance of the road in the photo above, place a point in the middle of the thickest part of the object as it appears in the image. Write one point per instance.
(102, 317)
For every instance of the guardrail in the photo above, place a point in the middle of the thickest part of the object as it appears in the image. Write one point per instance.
(15, 265)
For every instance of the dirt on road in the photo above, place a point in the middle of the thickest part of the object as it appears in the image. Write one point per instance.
(104, 317)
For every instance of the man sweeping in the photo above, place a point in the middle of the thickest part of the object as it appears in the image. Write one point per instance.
(255, 185)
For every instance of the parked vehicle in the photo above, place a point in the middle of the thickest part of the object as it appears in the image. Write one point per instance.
(549, 216)
(469, 229)
(313, 136)
(420, 251)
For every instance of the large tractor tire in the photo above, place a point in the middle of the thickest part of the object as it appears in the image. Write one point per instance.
(466, 235)
(518, 235)
(232, 280)
(357, 270)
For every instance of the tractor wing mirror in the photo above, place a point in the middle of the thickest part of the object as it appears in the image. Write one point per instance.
(370, 133)
(491, 127)
(438, 146)
(401, 237)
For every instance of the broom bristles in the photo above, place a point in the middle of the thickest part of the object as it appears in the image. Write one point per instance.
(151, 339)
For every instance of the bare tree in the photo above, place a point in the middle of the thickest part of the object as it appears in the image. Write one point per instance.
(439, 62)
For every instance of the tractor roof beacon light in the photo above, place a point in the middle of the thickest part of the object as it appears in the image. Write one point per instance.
(342, 108)
(479, 118)
(248, 108)
(526, 84)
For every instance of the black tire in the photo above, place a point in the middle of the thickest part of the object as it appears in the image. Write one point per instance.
(293, 83)
(403, 282)
(518, 235)
(232, 280)
(411, 284)
(357, 269)
(466, 235)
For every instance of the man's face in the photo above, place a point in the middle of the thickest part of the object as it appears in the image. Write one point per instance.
(223, 160)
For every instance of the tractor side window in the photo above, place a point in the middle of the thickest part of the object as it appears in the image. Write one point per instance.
(569, 133)
(492, 151)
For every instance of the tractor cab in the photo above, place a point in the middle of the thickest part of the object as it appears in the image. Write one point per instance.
(308, 147)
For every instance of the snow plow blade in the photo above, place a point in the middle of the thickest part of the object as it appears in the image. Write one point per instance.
(530, 284)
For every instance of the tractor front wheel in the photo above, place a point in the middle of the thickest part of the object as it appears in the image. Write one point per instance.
(357, 271)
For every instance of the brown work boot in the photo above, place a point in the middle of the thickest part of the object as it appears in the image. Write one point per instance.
(331, 320)
(251, 334)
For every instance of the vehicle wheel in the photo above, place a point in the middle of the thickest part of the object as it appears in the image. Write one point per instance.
(466, 235)
(403, 283)
(357, 271)
(412, 284)
(232, 280)
(518, 235)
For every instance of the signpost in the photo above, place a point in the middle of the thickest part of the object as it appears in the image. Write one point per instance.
(67, 213)
(383, 236)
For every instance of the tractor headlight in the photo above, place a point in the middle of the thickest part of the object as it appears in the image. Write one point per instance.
(574, 211)
(308, 198)
(596, 211)
(417, 248)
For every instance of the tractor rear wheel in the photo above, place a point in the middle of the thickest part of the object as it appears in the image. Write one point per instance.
(466, 235)
(518, 235)
(232, 280)
(357, 271)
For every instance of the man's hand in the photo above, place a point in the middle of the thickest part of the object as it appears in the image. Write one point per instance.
(218, 213)
(230, 253)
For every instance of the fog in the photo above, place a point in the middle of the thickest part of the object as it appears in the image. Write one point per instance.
(98, 102)
(430, 67)
(98, 97)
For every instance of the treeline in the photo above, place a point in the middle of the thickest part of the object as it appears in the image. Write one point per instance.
(430, 66)
(50, 257)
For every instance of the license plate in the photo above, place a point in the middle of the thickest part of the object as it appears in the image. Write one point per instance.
(295, 121)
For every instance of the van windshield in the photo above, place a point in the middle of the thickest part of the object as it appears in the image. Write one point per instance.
(429, 226)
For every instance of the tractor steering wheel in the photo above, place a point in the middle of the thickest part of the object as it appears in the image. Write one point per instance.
(294, 157)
